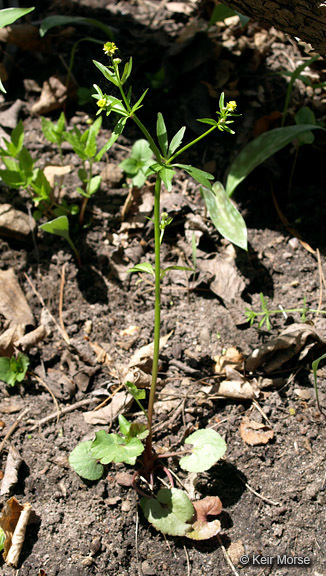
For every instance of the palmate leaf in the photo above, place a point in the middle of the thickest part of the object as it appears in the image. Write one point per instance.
(260, 149)
(225, 216)
(113, 448)
(207, 448)
(170, 512)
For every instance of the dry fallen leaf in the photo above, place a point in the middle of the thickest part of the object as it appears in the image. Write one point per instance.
(121, 402)
(53, 96)
(231, 357)
(255, 433)
(53, 172)
(13, 521)
(10, 477)
(202, 529)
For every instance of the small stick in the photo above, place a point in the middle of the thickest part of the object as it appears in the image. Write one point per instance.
(13, 428)
(62, 283)
(188, 561)
(261, 411)
(226, 556)
(65, 410)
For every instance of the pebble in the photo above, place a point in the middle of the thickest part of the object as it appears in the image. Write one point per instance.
(312, 490)
(126, 506)
(147, 569)
(293, 243)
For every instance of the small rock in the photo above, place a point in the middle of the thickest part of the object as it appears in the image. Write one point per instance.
(293, 243)
(112, 501)
(312, 490)
(95, 545)
(126, 506)
(147, 569)
(14, 223)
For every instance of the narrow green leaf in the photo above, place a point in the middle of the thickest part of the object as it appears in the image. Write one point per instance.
(60, 227)
(127, 71)
(170, 512)
(92, 133)
(142, 267)
(17, 138)
(260, 149)
(199, 175)
(162, 135)
(118, 129)
(168, 268)
(2, 539)
(124, 425)
(208, 448)
(176, 141)
(209, 121)
(10, 15)
(225, 216)
(83, 462)
(107, 73)
(138, 103)
(58, 20)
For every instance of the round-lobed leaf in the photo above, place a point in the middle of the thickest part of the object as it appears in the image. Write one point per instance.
(170, 512)
(83, 462)
(208, 448)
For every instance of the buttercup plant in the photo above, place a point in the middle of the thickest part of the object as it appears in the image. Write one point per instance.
(171, 511)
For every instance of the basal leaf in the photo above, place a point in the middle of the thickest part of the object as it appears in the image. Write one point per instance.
(59, 20)
(113, 448)
(170, 512)
(260, 149)
(83, 462)
(207, 448)
(225, 216)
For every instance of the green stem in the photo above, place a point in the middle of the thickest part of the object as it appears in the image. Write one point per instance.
(157, 324)
(191, 144)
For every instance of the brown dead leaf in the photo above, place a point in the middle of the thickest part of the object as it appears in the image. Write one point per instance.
(53, 172)
(295, 339)
(102, 356)
(54, 94)
(13, 521)
(231, 357)
(121, 402)
(25, 36)
(147, 351)
(202, 529)
(10, 477)
(255, 433)
(15, 308)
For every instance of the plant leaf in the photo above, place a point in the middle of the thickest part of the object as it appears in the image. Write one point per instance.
(170, 512)
(117, 131)
(225, 216)
(136, 393)
(83, 462)
(58, 20)
(199, 175)
(176, 141)
(13, 369)
(162, 135)
(260, 149)
(113, 448)
(142, 267)
(166, 174)
(208, 448)
(10, 15)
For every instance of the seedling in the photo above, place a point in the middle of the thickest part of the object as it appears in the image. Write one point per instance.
(265, 314)
(171, 511)
(137, 165)
(13, 370)
(60, 227)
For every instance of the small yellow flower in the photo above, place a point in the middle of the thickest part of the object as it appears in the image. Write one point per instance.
(231, 106)
(110, 48)
(101, 103)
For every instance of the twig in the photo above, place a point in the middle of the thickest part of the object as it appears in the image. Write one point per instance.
(261, 411)
(50, 392)
(13, 428)
(62, 283)
(188, 561)
(108, 398)
(167, 422)
(38, 295)
(65, 410)
(226, 556)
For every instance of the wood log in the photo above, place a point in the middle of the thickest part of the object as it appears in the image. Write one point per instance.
(304, 19)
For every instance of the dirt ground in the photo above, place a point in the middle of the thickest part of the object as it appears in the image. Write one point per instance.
(273, 494)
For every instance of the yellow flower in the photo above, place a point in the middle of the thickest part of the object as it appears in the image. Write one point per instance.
(101, 103)
(231, 106)
(110, 48)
